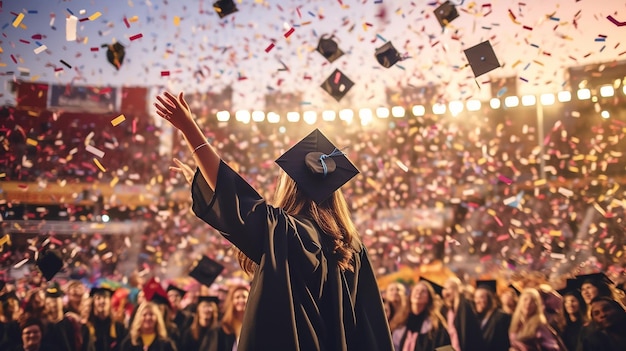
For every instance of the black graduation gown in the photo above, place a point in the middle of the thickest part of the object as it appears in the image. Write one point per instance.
(428, 338)
(62, 336)
(496, 331)
(188, 343)
(467, 327)
(299, 298)
(12, 336)
(102, 339)
(182, 321)
(218, 340)
(157, 345)
(571, 335)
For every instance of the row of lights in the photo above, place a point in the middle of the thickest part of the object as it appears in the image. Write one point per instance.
(455, 107)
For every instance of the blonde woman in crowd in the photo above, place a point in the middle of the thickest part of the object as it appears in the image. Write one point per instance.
(397, 300)
(147, 332)
(530, 330)
(226, 336)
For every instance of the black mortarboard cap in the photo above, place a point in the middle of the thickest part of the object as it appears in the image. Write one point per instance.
(571, 286)
(206, 271)
(180, 291)
(482, 58)
(54, 290)
(387, 55)
(2, 284)
(329, 48)
(594, 278)
(159, 299)
(446, 13)
(225, 7)
(50, 263)
(305, 162)
(515, 290)
(214, 299)
(337, 85)
(115, 54)
(10, 295)
(490, 285)
(438, 288)
(100, 291)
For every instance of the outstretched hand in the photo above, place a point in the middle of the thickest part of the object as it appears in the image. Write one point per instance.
(184, 169)
(174, 109)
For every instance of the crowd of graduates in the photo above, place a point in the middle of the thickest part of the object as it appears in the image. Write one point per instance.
(587, 314)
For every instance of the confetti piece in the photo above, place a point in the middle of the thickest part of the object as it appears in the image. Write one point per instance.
(381, 37)
(99, 165)
(31, 142)
(66, 64)
(40, 49)
(20, 263)
(71, 24)
(565, 192)
(289, 32)
(126, 22)
(176, 21)
(136, 36)
(18, 20)
(165, 73)
(269, 47)
(94, 151)
(117, 120)
(505, 180)
(615, 22)
(95, 16)
(95, 49)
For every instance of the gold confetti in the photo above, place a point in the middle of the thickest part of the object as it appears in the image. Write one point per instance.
(31, 142)
(95, 16)
(99, 165)
(176, 21)
(18, 20)
(117, 120)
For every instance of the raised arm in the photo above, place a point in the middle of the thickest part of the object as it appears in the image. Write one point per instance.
(176, 111)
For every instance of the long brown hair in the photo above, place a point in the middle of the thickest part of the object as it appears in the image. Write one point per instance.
(229, 319)
(195, 325)
(332, 216)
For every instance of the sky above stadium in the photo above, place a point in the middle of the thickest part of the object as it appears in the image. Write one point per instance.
(184, 45)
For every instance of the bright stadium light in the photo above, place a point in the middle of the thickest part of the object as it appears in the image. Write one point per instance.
(418, 110)
(258, 116)
(293, 116)
(547, 99)
(382, 112)
(366, 116)
(309, 117)
(473, 105)
(607, 91)
(529, 100)
(564, 96)
(273, 117)
(346, 115)
(511, 101)
(456, 107)
(223, 116)
(583, 94)
(243, 116)
(329, 115)
(495, 103)
(398, 111)
(605, 114)
(439, 109)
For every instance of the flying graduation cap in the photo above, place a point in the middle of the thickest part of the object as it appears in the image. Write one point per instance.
(49, 263)
(446, 13)
(387, 55)
(206, 271)
(225, 7)
(317, 166)
(482, 58)
(337, 85)
(329, 48)
(115, 54)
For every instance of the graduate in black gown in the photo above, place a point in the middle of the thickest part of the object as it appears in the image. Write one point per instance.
(64, 331)
(31, 336)
(226, 335)
(575, 313)
(314, 287)
(610, 319)
(105, 333)
(198, 336)
(494, 323)
(181, 318)
(148, 332)
(462, 323)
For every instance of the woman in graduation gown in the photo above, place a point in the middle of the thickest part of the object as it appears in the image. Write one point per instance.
(148, 333)
(105, 333)
(313, 286)
(575, 317)
(226, 336)
(198, 335)
(64, 330)
(424, 329)
(529, 329)
(494, 323)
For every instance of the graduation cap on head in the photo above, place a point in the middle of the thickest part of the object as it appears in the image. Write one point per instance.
(209, 299)
(337, 85)
(115, 54)
(225, 7)
(100, 291)
(387, 55)
(571, 286)
(9, 295)
(54, 290)
(180, 291)
(438, 288)
(49, 263)
(206, 271)
(446, 13)
(514, 289)
(317, 166)
(490, 285)
(329, 48)
(160, 299)
(597, 279)
(482, 58)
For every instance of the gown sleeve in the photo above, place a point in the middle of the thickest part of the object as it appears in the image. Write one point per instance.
(245, 219)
